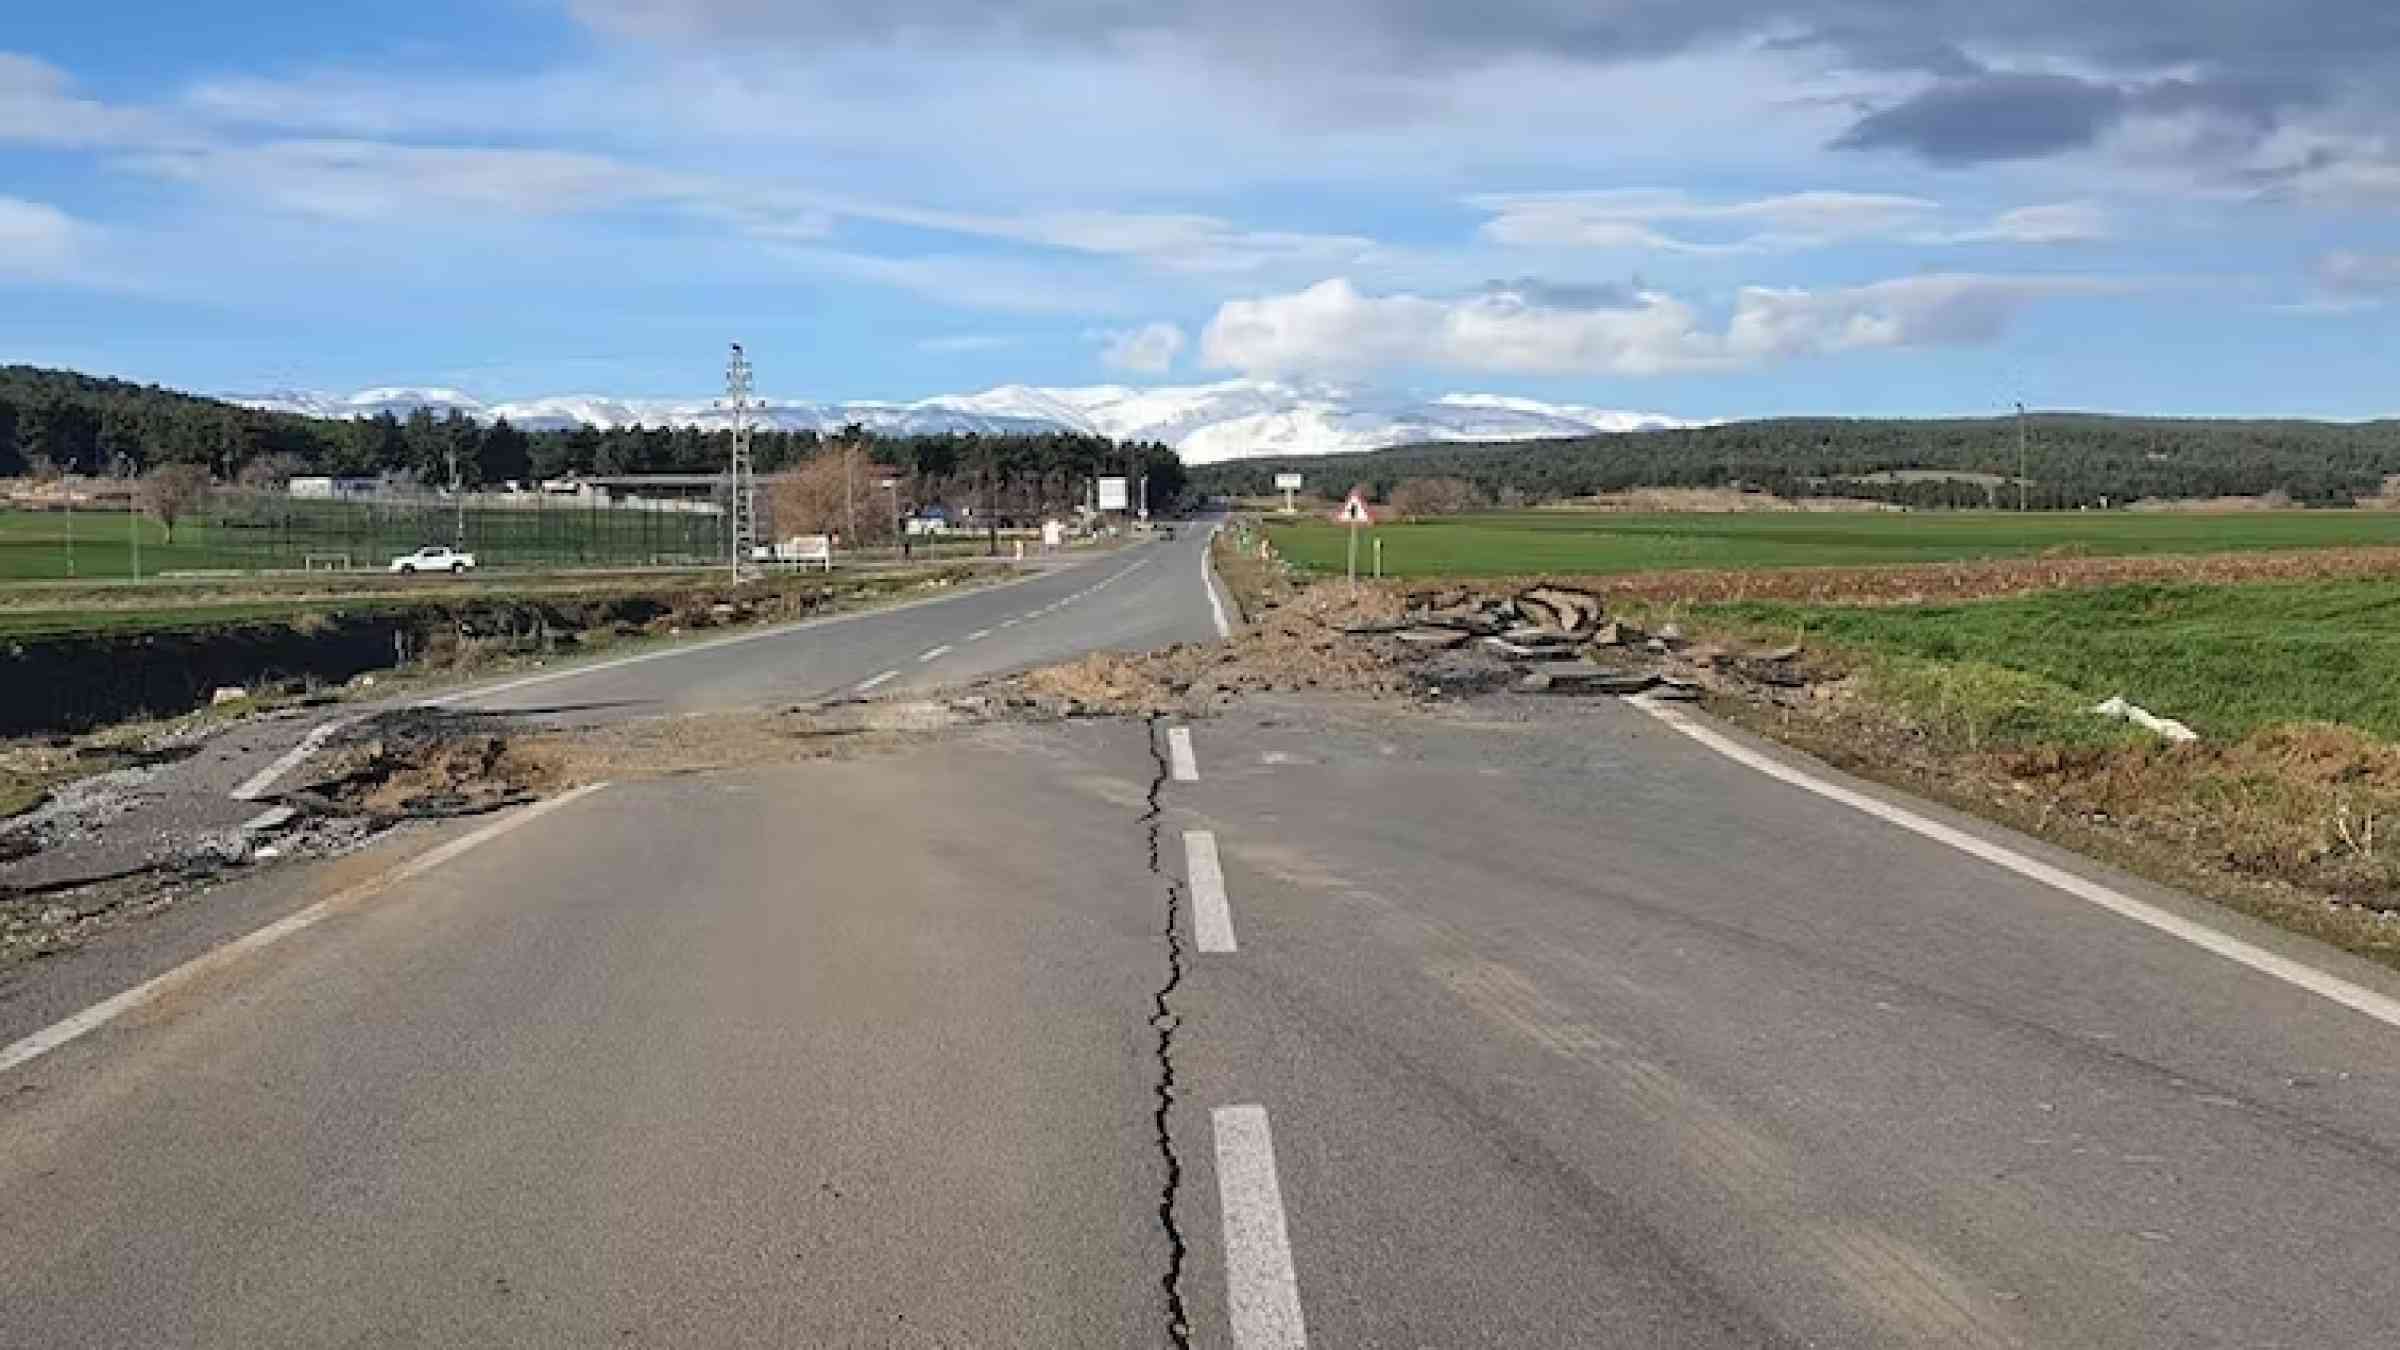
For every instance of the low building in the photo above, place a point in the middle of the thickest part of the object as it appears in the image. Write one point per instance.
(325, 486)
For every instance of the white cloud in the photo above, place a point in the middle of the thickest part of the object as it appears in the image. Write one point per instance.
(368, 180)
(1174, 241)
(964, 281)
(38, 241)
(1332, 328)
(2055, 223)
(38, 105)
(2353, 274)
(1628, 218)
(1939, 310)
(1149, 350)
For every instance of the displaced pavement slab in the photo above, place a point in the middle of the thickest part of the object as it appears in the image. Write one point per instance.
(144, 816)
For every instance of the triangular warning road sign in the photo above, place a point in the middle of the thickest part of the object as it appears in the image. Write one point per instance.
(1354, 512)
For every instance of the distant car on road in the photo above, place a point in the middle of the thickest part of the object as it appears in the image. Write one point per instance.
(434, 558)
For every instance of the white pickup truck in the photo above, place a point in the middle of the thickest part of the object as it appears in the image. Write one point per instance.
(433, 558)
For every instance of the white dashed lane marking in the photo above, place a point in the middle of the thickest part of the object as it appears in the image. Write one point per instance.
(1179, 755)
(865, 685)
(1212, 916)
(934, 655)
(1262, 1293)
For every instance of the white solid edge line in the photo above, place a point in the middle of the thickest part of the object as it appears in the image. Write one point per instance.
(1262, 1295)
(934, 655)
(1212, 917)
(864, 685)
(256, 785)
(1208, 583)
(108, 1010)
(693, 648)
(2383, 1008)
(1179, 755)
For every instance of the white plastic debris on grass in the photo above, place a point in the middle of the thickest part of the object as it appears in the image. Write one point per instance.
(2146, 719)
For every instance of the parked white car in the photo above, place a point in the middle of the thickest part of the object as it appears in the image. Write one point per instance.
(433, 558)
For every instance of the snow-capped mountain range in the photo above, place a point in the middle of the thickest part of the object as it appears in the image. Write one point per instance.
(1236, 419)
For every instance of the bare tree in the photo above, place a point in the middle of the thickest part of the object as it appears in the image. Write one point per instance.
(270, 471)
(820, 497)
(1419, 497)
(170, 492)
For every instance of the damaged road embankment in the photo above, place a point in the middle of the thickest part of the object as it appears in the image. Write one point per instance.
(117, 845)
(66, 682)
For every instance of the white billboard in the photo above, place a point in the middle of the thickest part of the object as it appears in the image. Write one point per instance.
(1112, 494)
(1287, 482)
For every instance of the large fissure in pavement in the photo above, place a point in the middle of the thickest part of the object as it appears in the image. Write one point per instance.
(1164, 1021)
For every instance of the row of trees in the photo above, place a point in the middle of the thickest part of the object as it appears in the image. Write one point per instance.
(57, 421)
(2071, 460)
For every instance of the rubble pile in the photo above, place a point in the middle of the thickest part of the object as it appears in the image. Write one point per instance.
(1417, 645)
(1561, 640)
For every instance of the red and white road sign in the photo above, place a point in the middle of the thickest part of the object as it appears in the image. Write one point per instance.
(1354, 512)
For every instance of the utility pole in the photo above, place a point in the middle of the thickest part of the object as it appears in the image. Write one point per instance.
(743, 503)
(133, 511)
(458, 495)
(2021, 455)
(850, 482)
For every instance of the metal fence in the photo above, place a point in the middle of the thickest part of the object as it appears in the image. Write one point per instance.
(261, 530)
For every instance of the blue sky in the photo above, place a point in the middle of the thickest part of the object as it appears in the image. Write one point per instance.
(1705, 208)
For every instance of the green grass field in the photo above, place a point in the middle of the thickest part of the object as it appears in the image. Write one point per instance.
(2228, 660)
(1505, 544)
(282, 533)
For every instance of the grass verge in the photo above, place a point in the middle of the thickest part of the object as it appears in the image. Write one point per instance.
(1600, 544)
(2287, 808)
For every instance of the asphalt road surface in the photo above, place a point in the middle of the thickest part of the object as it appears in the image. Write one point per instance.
(1133, 598)
(1524, 1025)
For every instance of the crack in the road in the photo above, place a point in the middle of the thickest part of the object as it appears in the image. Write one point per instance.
(1164, 1021)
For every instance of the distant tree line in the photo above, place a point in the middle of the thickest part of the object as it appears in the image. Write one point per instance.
(54, 421)
(2072, 460)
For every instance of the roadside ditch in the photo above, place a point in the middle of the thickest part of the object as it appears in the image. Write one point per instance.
(74, 682)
